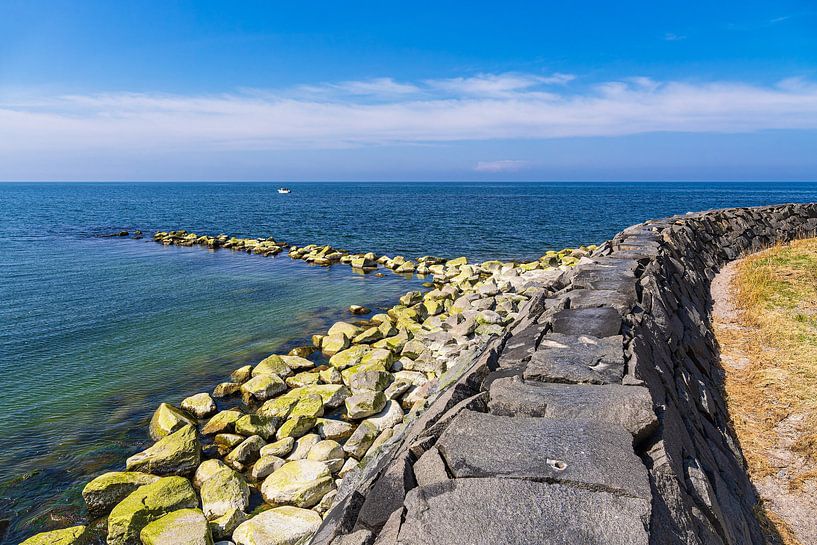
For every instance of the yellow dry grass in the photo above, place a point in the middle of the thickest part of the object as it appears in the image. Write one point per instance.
(773, 398)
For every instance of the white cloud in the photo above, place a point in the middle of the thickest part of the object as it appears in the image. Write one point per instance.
(486, 107)
(505, 165)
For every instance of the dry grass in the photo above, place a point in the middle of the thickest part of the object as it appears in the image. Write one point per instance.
(773, 398)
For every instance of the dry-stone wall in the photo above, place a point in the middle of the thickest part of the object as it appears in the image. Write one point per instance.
(598, 419)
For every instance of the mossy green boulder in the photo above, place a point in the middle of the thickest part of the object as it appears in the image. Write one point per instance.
(272, 365)
(222, 492)
(365, 403)
(76, 535)
(182, 527)
(295, 426)
(279, 526)
(167, 419)
(262, 387)
(309, 404)
(105, 491)
(301, 483)
(257, 424)
(349, 357)
(201, 405)
(177, 454)
(222, 422)
(146, 504)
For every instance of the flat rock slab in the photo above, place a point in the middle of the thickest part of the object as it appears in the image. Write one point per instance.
(595, 455)
(577, 359)
(516, 512)
(594, 298)
(598, 322)
(629, 406)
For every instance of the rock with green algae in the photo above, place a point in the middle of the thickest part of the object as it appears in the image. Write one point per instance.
(337, 430)
(303, 445)
(207, 469)
(297, 363)
(257, 424)
(280, 406)
(348, 374)
(279, 526)
(281, 447)
(301, 483)
(177, 454)
(245, 453)
(182, 527)
(146, 504)
(105, 491)
(331, 394)
(360, 441)
(76, 535)
(262, 387)
(222, 422)
(167, 419)
(343, 328)
(264, 467)
(332, 344)
(365, 403)
(310, 405)
(272, 365)
(224, 491)
(349, 357)
(295, 426)
(370, 380)
(223, 527)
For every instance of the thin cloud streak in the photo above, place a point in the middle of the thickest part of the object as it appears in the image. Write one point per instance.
(487, 107)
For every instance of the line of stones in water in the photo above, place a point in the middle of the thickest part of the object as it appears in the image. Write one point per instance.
(265, 462)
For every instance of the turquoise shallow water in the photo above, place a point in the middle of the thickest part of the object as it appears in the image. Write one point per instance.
(97, 331)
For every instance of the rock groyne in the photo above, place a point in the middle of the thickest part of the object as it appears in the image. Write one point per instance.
(598, 418)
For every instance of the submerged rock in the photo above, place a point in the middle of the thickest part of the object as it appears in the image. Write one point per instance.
(76, 535)
(279, 526)
(182, 527)
(179, 453)
(146, 504)
(105, 491)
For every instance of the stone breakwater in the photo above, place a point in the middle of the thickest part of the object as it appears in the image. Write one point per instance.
(598, 418)
(261, 459)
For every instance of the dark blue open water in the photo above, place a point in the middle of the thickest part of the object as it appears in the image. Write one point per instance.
(94, 332)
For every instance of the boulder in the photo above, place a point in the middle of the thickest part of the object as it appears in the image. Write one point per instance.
(227, 440)
(222, 492)
(226, 389)
(279, 526)
(182, 527)
(343, 328)
(201, 405)
(331, 394)
(330, 452)
(281, 405)
(303, 446)
(296, 362)
(282, 447)
(256, 424)
(242, 374)
(223, 527)
(167, 419)
(301, 483)
(370, 380)
(360, 441)
(349, 357)
(146, 504)
(222, 422)
(207, 469)
(295, 427)
(365, 403)
(310, 405)
(76, 535)
(272, 365)
(368, 336)
(177, 454)
(337, 430)
(262, 387)
(389, 417)
(264, 467)
(332, 344)
(105, 491)
(358, 310)
(245, 453)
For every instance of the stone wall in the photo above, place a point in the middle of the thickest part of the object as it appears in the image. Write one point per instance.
(598, 419)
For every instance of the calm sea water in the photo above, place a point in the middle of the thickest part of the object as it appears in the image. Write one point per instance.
(97, 331)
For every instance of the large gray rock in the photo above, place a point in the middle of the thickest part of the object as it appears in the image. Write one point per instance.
(279, 526)
(301, 483)
(629, 406)
(224, 491)
(598, 322)
(488, 511)
(577, 359)
(597, 454)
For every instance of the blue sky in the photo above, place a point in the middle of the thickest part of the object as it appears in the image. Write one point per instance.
(408, 91)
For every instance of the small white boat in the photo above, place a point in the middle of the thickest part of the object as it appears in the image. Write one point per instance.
(284, 190)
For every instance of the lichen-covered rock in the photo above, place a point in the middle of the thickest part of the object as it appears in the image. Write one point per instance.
(264, 467)
(182, 527)
(76, 535)
(389, 417)
(337, 430)
(330, 452)
(272, 365)
(332, 344)
(360, 441)
(303, 446)
(105, 491)
(301, 483)
(297, 363)
(146, 504)
(279, 526)
(256, 424)
(228, 440)
(226, 389)
(242, 374)
(365, 403)
(245, 453)
(344, 328)
(223, 491)
(370, 380)
(280, 448)
(167, 419)
(281, 406)
(295, 426)
(331, 394)
(223, 527)
(222, 422)
(201, 405)
(177, 454)
(310, 405)
(349, 357)
(262, 387)
(207, 469)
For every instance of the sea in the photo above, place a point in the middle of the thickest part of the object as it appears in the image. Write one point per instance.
(96, 331)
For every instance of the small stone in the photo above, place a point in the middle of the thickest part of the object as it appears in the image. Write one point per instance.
(303, 446)
(265, 466)
(105, 491)
(279, 526)
(263, 387)
(365, 403)
(301, 483)
(256, 424)
(295, 427)
(245, 453)
(358, 310)
(182, 527)
(360, 441)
